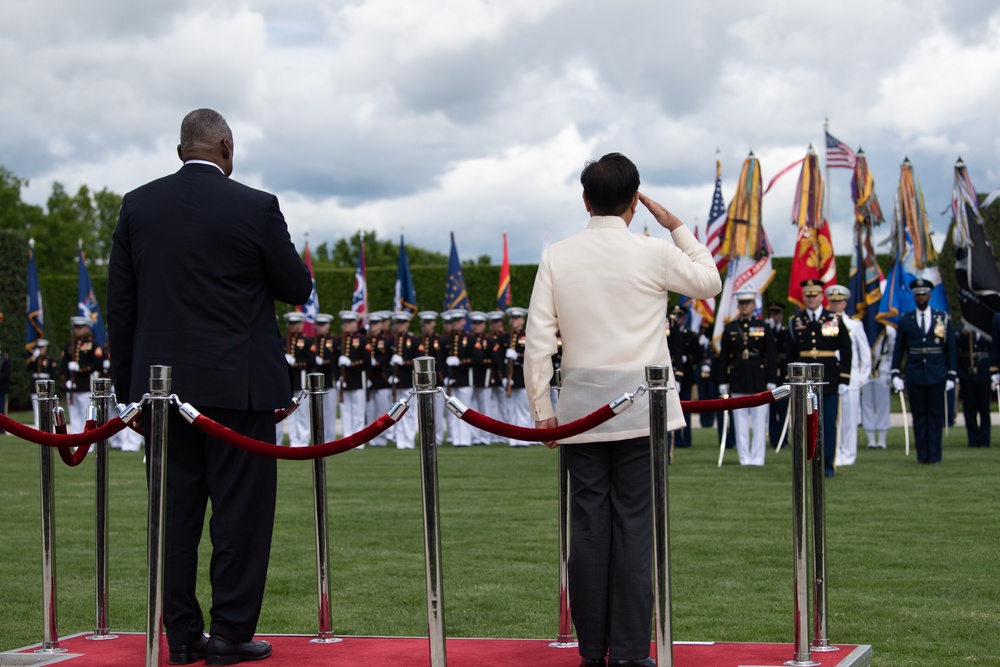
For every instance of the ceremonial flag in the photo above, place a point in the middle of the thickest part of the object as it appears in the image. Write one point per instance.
(813, 258)
(503, 289)
(311, 306)
(359, 300)
(86, 302)
(455, 295)
(977, 274)
(715, 229)
(913, 254)
(405, 299)
(746, 246)
(698, 310)
(866, 275)
(838, 154)
(36, 325)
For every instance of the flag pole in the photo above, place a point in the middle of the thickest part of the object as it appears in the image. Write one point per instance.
(826, 130)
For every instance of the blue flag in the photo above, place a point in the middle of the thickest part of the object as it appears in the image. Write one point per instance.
(36, 325)
(455, 295)
(86, 303)
(865, 284)
(406, 295)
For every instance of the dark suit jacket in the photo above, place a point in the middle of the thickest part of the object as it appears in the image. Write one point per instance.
(197, 263)
(930, 357)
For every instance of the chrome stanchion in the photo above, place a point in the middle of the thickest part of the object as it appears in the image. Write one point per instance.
(821, 641)
(48, 401)
(314, 387)
(425, 387)
(101, 407)
(657, 383)
(801, 403)
(156, 447)
(565, 638)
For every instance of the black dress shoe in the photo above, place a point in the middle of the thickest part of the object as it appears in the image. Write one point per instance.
(185, 654)
(593, 662)
(643, 662)
(221, 651)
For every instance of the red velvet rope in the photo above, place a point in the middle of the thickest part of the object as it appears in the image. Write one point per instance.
(723, 404)
(229, 436)
(282, 413)
(31, 434)
(75, 458)
(490, 425)
(812, 428)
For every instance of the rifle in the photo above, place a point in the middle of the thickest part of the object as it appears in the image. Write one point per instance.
(510, 363)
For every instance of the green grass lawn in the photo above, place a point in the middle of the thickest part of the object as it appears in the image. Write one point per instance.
(911, 549)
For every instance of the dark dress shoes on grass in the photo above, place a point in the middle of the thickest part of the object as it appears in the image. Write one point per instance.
(185, 654)
(643, 662)
(221, 651)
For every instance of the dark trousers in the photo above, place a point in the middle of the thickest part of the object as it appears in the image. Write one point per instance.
(976, 408)
(831, 405)
(3, 407)
(927, 405)
(610, 564)
(776, 420)
(707, 390)
(682, 437)
(242, 488)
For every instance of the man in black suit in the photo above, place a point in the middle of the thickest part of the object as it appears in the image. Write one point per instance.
(197, 263)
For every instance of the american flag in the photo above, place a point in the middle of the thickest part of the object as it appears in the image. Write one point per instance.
(715, 230)
(838, 154)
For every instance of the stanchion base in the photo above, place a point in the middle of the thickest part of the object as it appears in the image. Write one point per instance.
(824, 648)
(801, 663)
(50, 650)
(98, 638)
(325, 640)
(569, 644)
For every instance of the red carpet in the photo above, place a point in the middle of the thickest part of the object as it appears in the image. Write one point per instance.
(129, 651)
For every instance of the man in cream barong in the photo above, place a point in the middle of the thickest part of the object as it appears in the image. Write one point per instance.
(604, 290)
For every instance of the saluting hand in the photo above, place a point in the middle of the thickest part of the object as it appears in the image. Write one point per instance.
(667, 220)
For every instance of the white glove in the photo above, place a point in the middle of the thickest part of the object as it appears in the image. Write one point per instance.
(374, 361)
(396, 360)
(290, 359)
(949, 385)
(106, 364)
(69, 384)
(897, 384)
(703, 341)
(74, 367)
(723, 390)
(771, 386)
(504, 382)
(37, 353)
(319, 361)
(511, 354)
(452, 361)
(392, 379)
(344, 361)
(706, 369)
(843, 389)
(994, 380)
(684, 358)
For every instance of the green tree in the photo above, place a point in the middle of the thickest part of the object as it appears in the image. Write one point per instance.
(14, 213)
(380, 253)
(323, 252)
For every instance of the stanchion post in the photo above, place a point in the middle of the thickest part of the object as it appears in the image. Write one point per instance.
(314, 388)
(101, 405)
(800, 403)
(657, 385)
(565, 638)
(425, 387)
(156, 450)
(48, 400)
(821, 641)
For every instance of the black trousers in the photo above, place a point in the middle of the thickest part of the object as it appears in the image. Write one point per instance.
(831, 406)
(927, 404)
(242, 488)
(610, 564)
(776, 421)
(976, 396)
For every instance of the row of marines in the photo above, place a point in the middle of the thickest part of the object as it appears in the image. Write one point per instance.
(366, 371)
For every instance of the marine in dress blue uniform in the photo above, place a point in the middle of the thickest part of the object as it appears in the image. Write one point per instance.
(818, 336)
(925, 338)
(974, 384)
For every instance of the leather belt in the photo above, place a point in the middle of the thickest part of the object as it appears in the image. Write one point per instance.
(817, 354)
(924, 350)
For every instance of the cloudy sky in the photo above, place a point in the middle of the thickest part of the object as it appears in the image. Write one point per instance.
(476, 116)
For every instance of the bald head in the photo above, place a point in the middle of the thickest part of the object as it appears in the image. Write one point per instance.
(205, 135)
